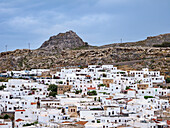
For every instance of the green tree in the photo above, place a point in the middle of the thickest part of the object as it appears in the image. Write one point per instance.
(168, 80)
(53, 94)
(127, 87)
(78, 91)
(99, 99)
(95, 98)
(91, 93)
(2, 87)
(104, 75)
(6, 116)
(12, 74)
(52, 87)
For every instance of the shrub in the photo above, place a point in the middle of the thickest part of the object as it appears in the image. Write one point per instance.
(98, 121)
(91, 93)
(96, 109)
(78, 91)
(60, 82)
(164, 44)
(36, 122)
(27, 124)
(146, 97)
(101, 85)
(81, 67)
(33, 89)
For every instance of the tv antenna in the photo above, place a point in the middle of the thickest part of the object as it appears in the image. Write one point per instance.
(6, 47)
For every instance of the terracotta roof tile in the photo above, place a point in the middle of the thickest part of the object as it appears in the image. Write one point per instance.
(88, 76)
(2, 124)
(108, 98)
(19, 110)
(66, 122)
(129, 100)
(18, 120)
(33, 103)
(81, 122)
(130, 89)
(91, 88)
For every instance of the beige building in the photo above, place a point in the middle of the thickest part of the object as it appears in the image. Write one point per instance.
(107, 82)
(142, 86)
(63, 88)
(72, 111)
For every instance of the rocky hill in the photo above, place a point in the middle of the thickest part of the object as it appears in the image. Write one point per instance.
(149, 42)
(73, 52)
(63, 41)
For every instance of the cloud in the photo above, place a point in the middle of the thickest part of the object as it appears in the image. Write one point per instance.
(111, 2)
(82, 22)
(22, 22)
(7, 10)
(97, 21)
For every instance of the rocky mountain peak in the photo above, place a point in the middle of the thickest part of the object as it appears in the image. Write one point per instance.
(63, 41)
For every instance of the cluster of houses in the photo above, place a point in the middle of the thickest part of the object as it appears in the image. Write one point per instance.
(99, 96)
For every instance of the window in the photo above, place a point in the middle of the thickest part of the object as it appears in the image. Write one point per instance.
(72, 110)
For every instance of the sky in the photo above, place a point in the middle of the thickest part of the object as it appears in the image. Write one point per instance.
(97, 22)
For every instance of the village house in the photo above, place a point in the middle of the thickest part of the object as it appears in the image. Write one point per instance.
(101, 96)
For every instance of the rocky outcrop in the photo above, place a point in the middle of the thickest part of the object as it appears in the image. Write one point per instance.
(64, 41)
(149, 42)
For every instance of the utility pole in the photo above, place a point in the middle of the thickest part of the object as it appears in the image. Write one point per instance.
(121, 40)
(6, 48)
(29, 46)
(29, 49)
